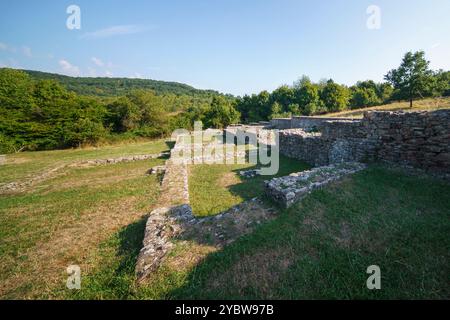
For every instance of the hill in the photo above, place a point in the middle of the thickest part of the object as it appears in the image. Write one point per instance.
(104, 87)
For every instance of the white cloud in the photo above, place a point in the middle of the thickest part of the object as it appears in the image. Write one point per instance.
(113, 31)
(137, 75)
(97, 61)
(69, 69)
(435, 45)
(27, 51)
(108, 74)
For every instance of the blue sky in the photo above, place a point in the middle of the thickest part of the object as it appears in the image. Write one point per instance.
(231, 46)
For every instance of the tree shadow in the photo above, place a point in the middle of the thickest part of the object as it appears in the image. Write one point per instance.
(130, 243)
(170, 144)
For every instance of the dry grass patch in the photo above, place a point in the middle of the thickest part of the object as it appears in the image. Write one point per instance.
(428, 104)
(63, 223)
(48, 260)
(228, 179)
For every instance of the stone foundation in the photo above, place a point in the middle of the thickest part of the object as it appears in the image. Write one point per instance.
(290, 189)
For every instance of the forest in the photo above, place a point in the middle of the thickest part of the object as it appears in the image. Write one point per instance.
(43, 111)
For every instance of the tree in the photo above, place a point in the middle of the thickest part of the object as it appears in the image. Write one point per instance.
(293, 109)
(307, 97)
(384, 91)
(123, 115)
(284, 95)
(221, 113)
(275, 110)
(334, 96)
(364, 97)
(413, 77)
(259, 107)
(302, 81)
(151, 109)
(441, 85)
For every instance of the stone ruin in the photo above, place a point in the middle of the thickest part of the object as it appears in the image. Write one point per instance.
(335, 147)
(290, 189)
(173, 217)
(418, 139)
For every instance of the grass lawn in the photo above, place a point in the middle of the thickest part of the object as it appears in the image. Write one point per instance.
(319, 248)
(25, 164)
(64, 220)
(428, 104)
(215, 188)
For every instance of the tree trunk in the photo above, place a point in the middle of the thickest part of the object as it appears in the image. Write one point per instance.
(410, 103)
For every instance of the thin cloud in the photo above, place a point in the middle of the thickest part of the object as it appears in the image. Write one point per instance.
(27, 51)
(6, 47)
(69, 68)
(435, 45)
(113, 31)
(97, 61)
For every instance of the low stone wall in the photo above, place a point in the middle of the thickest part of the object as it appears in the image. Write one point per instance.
(173, 217)
(290, 189)
(121, 159)
(303, 122)
(168, 219)
(314, 123)
(20, 186)
(281, 123)
(163, 224)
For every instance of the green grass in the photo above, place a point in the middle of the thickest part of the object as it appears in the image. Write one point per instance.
(25, 164)
(215, 188)
(63, 220)
(317, 249)
(322, 247)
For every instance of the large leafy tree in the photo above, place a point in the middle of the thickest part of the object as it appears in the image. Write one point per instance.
(284, 95)
(413, 77)
(334, 96)
(221, 113)
(307, 96)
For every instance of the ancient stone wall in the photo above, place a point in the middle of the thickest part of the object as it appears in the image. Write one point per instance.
(313, 123)
(418, 139)
(303, 122)
(309, 147)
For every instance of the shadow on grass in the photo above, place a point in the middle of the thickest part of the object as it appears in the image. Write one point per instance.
(114, 276)
(170, 144)
(130, 243)
(254, 187)
(322, 247)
